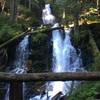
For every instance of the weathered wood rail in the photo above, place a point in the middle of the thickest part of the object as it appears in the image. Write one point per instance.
(16, 85)
(66, 76)
(15, 80)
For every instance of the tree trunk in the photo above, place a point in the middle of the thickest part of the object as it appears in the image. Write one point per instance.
(3, 5)
(98, 7)
(64, 17)
(30, 4)
(16, 91)
(13, 9)
(76, 29)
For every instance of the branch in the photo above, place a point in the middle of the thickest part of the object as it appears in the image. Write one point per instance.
(12, 39)
(46, 29)
(28, 32)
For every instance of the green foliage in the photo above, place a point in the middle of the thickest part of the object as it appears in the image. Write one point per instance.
(39, 54)
(38, 37)
(23, 10)
(95, 66)
(91, 61)
(85, 91)
(72, 7)
(8, 30)
(3, 20)
(26, 17)
(88, 5)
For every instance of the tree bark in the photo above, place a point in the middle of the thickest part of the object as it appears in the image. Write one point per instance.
(16, 91)
(98, 6)
(13, 10)
(30, 4)
(3, 5)
(76, 29)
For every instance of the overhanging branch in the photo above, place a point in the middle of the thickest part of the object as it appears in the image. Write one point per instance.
(27, 32)
(12, 39)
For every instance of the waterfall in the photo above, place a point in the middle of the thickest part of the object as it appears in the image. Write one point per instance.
(21, 57)
(65, 59)
(47, 17)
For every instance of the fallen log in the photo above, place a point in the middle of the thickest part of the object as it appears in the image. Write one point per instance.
(46, 29)
(66, 76)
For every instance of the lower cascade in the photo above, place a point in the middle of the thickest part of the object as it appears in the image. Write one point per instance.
(65, 59)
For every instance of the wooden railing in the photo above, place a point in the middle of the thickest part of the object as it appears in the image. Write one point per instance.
(11, 77)
(15, 80)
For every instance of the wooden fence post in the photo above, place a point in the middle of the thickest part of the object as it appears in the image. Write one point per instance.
(16, 91)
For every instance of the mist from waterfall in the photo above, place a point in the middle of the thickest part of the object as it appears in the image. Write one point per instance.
(64, 59)
(20, 62)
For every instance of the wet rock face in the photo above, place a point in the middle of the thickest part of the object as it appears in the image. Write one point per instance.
(3, 58)
(95, 28)
(86, 45)
(94, 43)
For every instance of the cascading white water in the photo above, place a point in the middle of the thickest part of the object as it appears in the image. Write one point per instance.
(19, 65)
(21, 55)
(47, 17)
(65, 59)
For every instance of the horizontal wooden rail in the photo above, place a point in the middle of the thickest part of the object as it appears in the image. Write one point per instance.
(66, 76)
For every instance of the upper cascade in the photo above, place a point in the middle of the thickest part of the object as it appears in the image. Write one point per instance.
(47, 17)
